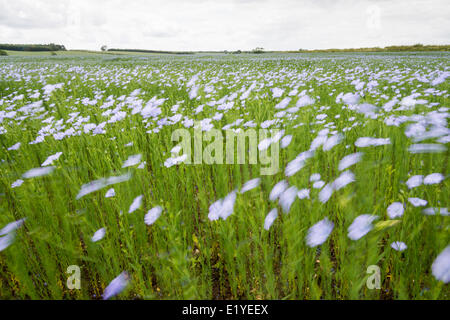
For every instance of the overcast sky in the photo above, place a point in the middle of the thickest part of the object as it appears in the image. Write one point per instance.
(225, 24)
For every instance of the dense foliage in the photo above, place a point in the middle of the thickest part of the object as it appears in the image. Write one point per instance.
(33, 47)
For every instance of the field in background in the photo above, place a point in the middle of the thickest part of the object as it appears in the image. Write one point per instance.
(92, 112)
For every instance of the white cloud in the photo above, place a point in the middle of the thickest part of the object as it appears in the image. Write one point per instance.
(220, 25)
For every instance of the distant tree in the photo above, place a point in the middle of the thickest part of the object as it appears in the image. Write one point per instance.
(56, 47)
(104, 47)
(3, 53)
(258, 50)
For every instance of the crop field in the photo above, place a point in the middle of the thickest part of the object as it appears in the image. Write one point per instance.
(123, 176)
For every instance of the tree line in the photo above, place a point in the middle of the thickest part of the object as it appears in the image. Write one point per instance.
(33, 47)
(415, 47)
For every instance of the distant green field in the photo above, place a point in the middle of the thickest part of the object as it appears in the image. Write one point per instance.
(86, 53)
(49, 53)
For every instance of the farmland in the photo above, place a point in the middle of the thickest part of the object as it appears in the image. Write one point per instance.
(91, 177)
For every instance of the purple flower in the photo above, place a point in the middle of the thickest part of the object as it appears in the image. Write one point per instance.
(116, 286)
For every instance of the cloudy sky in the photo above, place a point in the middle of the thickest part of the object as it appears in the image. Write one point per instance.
(225, 24)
